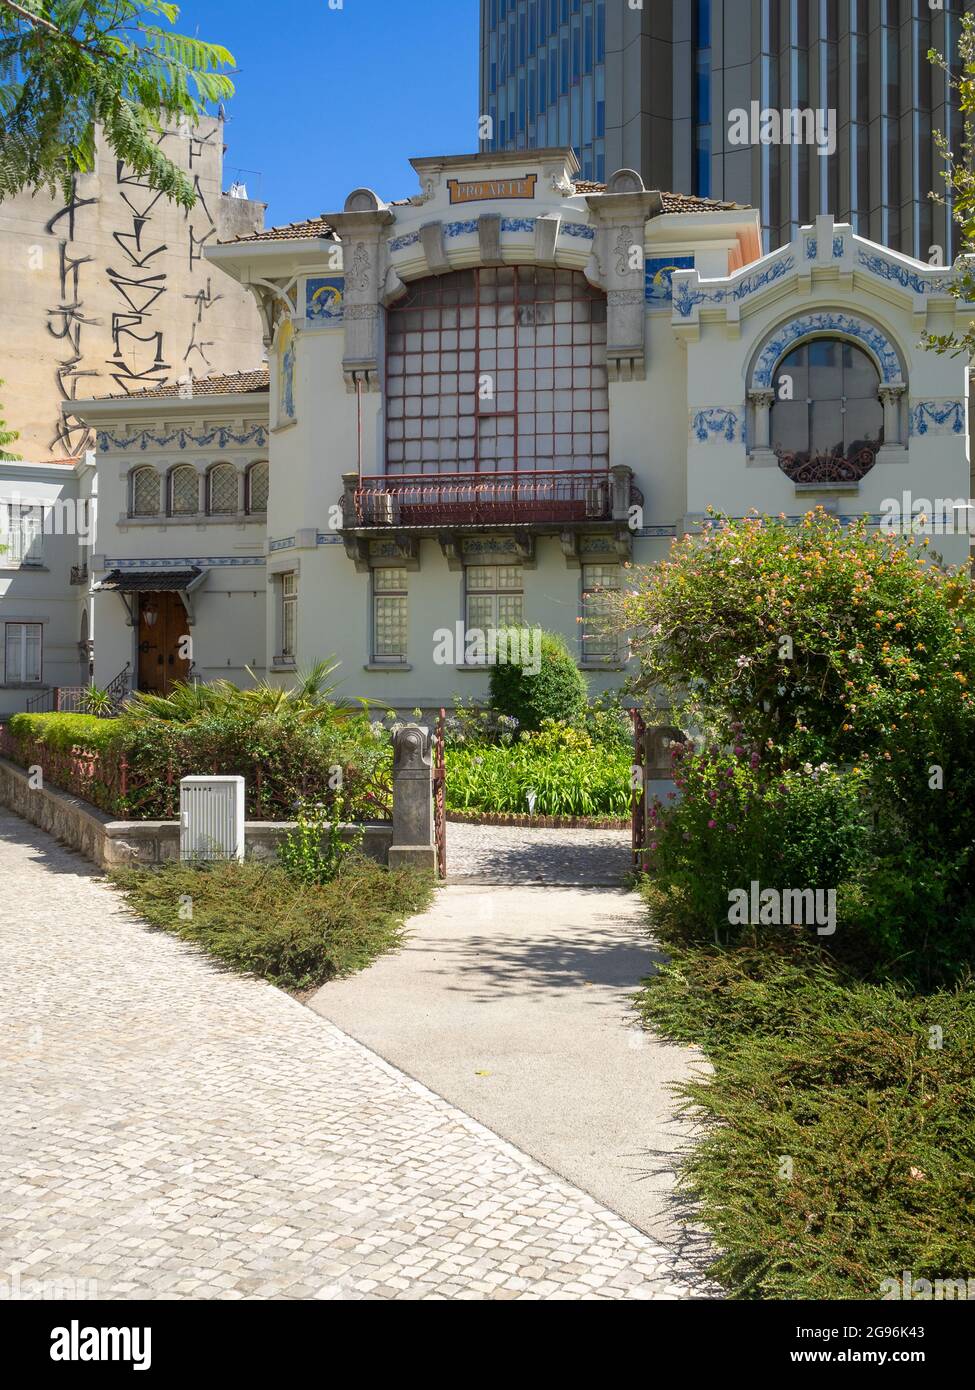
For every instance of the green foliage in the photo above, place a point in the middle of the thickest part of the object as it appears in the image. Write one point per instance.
(67, 65)
(287, 745)
(822, 641)
(734, 826)
(7, 437)
(557, 691)
(312, 699)
(567, 773)
(258, 920)
(846, 1079)
(959, 178)
(66, 731)
(316, 849)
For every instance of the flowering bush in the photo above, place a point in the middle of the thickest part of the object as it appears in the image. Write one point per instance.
(734, 824)
(824, 646)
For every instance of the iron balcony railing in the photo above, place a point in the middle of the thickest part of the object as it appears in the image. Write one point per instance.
(473, 499)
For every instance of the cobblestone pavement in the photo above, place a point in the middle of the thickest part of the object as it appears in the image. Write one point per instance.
(508, 854)
(170, 1130)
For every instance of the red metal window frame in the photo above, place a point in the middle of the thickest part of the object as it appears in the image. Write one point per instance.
(530, 286)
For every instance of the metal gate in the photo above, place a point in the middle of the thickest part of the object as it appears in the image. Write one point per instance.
(638, 793)
(440, 795)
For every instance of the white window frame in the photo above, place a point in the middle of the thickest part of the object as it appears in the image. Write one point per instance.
(11, 640)
(497, 589)
(21, 534)
(607, 652)
(288, 618)
(381, 595)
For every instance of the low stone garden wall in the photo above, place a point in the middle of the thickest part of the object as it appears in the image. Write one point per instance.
(110, 843)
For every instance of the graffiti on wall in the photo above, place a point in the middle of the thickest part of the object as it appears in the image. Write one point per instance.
(147, 340)
(67, 322)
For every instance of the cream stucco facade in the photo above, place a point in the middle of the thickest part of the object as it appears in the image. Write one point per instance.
(417, 483)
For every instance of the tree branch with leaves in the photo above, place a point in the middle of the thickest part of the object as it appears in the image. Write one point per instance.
(68, 66)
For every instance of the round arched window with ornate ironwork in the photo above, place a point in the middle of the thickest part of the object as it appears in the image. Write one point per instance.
(827, 420)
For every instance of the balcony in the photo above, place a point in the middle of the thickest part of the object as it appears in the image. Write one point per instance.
(829, 469)
(548, 499)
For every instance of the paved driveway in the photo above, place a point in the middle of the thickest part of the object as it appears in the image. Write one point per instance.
(170, 1130)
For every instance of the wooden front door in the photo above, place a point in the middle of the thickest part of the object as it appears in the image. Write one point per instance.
(163, 630)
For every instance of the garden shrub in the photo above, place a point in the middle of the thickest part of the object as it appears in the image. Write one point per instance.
(844, 1078)
(557, 691)
(256, 919)
(66, 731)
(734, 825)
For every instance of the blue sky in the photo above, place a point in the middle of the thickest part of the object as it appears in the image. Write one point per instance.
(328, 99)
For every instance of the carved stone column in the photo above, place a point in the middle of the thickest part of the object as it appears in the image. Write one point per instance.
(620, 216)
(890, 397)
(361, 227)
(762, 400)
(413, 828)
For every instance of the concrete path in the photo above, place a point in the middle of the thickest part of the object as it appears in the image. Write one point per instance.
(171, 1130)
(513, 1002)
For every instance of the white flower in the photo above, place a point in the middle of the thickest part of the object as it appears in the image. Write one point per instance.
(743, 662)
(736, 561)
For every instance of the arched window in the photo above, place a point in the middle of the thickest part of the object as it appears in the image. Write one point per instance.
(826, 415)
(258, 486)
(144, 492)
(184, 491)
(222, 490)
(496, 370)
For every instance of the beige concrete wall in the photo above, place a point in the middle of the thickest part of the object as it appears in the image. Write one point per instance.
(111, 292)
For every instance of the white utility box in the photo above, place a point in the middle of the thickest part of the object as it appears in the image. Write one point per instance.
(211, 818)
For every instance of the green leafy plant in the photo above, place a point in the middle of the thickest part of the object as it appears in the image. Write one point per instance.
(66, 731)
(7, 436)
(557, 690)
(554, 771)
(316, 849)
(69, 65)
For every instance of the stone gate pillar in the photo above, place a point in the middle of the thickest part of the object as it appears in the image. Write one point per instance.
(413, 828)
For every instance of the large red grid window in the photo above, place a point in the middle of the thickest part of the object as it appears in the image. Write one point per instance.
(497, 370)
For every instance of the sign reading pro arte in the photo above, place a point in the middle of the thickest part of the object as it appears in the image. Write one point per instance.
(468, 192)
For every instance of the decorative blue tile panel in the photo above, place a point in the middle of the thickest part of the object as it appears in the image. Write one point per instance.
(938, 417)
(718, 425)
(685, 298)
(900, 275)
(809, 325)
(325, 299)
(182, 439)
(578, 229)
(187, 562)
(659, 275)
(455, 229)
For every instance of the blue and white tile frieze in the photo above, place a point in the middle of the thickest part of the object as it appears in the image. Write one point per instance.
(902, 275)
(187, 562)
(938, 417)
(182, 439)
(809, 325)
(686, 299)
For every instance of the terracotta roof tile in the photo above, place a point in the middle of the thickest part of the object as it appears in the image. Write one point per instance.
(292, 231)
(232, 382)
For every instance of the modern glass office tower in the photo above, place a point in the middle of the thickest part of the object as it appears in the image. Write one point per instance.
(655, 88)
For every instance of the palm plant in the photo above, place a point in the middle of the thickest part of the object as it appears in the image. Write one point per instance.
(311, 699)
